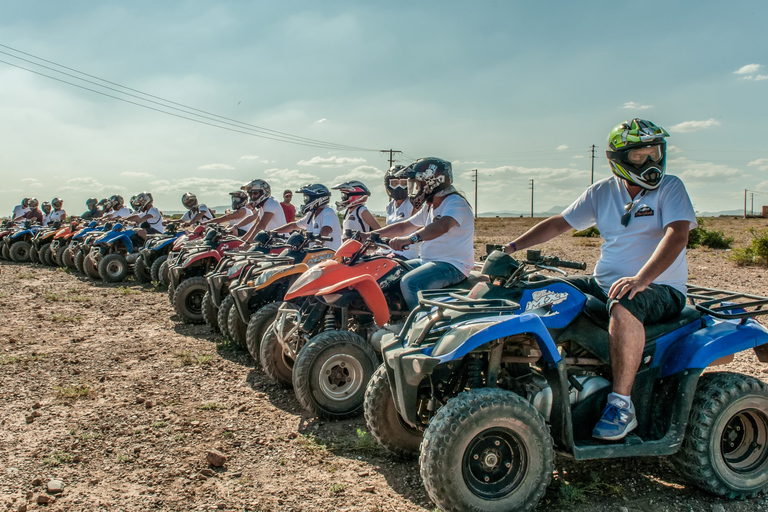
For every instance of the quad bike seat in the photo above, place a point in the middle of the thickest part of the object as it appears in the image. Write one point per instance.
(590, 330)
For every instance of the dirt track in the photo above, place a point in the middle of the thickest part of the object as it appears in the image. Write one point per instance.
(102, 388)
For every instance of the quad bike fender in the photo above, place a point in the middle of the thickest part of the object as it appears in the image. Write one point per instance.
(272, 274)
(369, 290)
(194, 258)
(469, 336)
(699, 349)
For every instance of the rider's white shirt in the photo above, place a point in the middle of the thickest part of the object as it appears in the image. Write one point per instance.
(250, 212)
(19, 211)
(396, 214)
(189, 215)
(325, 217)
(119, 214)
(627, 249)
(156, 219)
(278, 215)
(457, 245)
(55, 215)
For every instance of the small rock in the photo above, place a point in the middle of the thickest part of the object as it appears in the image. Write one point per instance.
(36, 414)
(236, 475)
(215, 458)
(140, 399)
(55, 486)
(30, 495)
(195, 423)
(717, 507)
(11, 340)
(242, 408)
(93, 481)
(623, 509)
(293, 435)
(36, 405)
(148, 404)
(37, 481)
(221, 506)
(370, 488)
(22, 508)
(197, 431)
(207, 472)
(44, 500)
(137, 449)
(363, 473)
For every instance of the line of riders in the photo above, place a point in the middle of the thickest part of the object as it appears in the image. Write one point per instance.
(484, 373)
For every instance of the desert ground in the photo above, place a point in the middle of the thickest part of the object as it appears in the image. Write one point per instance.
(103, 389)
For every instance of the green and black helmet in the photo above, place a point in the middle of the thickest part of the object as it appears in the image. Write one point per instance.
(637, 152)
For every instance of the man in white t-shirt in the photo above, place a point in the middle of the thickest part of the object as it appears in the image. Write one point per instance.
(445, 227)
(400, 206)
(148, 214)
(20, 210)
(644, 218)
(317, 217)
(58, 213)
(118, 210)
(269, 215)
(196, 212)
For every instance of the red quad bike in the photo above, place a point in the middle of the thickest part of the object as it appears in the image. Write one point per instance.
(332, 323)
(188, 284)
(160, 267)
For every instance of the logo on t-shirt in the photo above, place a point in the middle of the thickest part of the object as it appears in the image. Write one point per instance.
(352, 217)
(400, 215)
(644, 211)
(316, 226)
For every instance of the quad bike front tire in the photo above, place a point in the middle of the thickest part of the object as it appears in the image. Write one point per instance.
(235, 326)
(113, 268)
(44, 254)
(225, 305)
(6, 252)
(487, 449)
(163, 273)
(91, 270)
(60, 255)
(68, 258)
(188, 299)
(210, 312)
(154, 270)
(34, 255)
(258, 324)
(331, 374)
(79, 260)
(141, 271)
(20, 252)
(277, 365)
(384, 422)
(725, 449)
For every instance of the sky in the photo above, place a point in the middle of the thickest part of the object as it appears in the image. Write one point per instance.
(188, 96)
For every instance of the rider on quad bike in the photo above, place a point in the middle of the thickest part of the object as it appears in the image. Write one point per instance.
(400, 206)
(445, 226)
(93, 211)
(357, 217)
(317, 217)
(644, 216)
(148, 217)
(266, 208)
(240, 211)
(196, 212)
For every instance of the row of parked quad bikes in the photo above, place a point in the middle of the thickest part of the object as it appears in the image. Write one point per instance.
(484, 380)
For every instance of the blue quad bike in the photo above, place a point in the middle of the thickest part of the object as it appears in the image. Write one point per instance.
(113, 253)
(488, 384)
(154, 253)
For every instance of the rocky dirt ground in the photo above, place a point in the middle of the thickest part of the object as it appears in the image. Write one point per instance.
(103, 390)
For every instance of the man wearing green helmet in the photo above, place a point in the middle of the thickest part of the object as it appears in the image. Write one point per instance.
(644, 216)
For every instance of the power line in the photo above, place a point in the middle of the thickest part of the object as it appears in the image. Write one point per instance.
(260, 131)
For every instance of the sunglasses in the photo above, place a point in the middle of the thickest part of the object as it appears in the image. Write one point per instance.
(628, 210)
(398, 183)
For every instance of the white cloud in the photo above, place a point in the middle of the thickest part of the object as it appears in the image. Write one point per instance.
(693, 126)
(197, 185)
(673, 150)
(216, 167)
(761, 77)
(636, 106)
(562, 147)
(749, 69)
(702, 172)
(29, 179)
(92, 185)
(249, 157)
(456, 163)
(331, 161)
(365, 173)
(320, 121)
(579, 156)
(131, 174)
(289, 178)
(761, 164)
(748, 77)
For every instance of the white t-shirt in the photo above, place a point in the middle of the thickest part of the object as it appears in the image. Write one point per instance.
(353, 221)
(201, 208)
(19, 211)
(278, 215)
(249, 213)
(456, 246)
(325, 217)
(627, 249)
(155, 220)
(396, 214)
(55, 215)
(120, 214)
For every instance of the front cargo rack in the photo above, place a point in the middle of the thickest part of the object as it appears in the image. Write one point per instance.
(725, 304)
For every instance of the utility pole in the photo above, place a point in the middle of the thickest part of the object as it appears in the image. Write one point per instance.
(592, 180)
(752, 204)
(391, 155)
(531, 183)
(745, 203)
(474, 178)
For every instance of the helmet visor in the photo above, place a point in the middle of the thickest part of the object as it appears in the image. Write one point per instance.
(415, 187)
(639, 156)
(398, 183)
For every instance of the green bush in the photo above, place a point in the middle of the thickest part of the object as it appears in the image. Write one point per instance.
(591, 232)
(754, 254)
(714, 239)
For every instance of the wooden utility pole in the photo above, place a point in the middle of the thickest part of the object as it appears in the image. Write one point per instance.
(474, 178)
(745, 203)
(391, 155)
(531, 183)
(592, 180)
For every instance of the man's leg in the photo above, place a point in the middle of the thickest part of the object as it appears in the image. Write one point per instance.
(429, 275)
(627, 339)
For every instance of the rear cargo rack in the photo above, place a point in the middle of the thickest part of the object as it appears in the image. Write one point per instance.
(725, 304)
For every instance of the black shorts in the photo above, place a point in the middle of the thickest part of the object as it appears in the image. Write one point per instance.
(241, 232)
(152, 231)
(657, 303)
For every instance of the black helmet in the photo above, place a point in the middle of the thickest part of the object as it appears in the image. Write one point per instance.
(116, 202)
(189, 200)
(239, 198)
(91, 203)
(57, 202)
(316, 195)
(396, 182)
(46, 207)
(637, 152)
(25, 202)
(427, 176)
(33, 202)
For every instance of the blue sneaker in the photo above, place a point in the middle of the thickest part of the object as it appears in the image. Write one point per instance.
(618, 420)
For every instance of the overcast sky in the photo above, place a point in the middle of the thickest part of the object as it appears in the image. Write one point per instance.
(517, 90)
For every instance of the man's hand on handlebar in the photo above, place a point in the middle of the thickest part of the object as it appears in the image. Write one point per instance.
(399, 243)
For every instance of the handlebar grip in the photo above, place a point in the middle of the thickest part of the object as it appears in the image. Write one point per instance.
(578, 265)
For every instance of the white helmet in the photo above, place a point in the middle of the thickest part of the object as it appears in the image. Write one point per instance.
(258, 191)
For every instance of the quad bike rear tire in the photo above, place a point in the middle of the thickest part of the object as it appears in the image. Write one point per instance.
(384, 422)
(44, 254)
(277, 365)
(210, 312)
(90, 268)
(60, 255)
(154, 270)
(487, 449)
(724, 450)
(113, 268)
(225, 305)
(258, 324)
(6, 252)
(236, 327)
(188, 299)
(79, 260)
(20, 252)
(163, 274)
(68, 258)
(331, 374)
(34, 256)
(141, 271)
